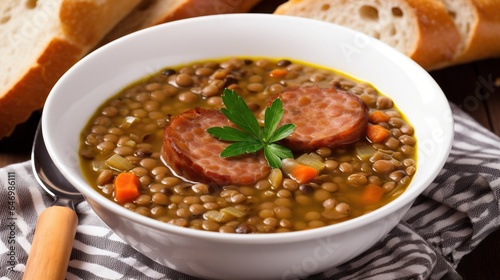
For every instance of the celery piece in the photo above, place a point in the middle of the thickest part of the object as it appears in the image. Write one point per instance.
(119, 163)
(128, 121)
(98, 165)
(364, 152)
(288, 164)
(216, 216)
(312, 161)
(233, 212)
(276, 177)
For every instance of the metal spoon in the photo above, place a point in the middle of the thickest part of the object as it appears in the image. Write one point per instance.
(56, 227)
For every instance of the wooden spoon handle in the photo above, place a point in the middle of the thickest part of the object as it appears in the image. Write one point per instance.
(52, 244)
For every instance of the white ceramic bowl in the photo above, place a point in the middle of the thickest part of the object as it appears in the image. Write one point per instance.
(231, 256)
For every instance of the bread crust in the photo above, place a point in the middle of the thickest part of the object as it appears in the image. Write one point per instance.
(436, 36)
(85, 22)
(484, 39)
(30, 92)
(82, 23)
(194, 8)
(139, 18)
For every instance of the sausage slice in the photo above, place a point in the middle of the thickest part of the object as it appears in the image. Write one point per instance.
(192, 153)
(324, 117)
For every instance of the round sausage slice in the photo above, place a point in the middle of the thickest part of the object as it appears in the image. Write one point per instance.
(192, 153)
(324, 117)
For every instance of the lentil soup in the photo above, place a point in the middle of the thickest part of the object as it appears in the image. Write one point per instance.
(126, 136)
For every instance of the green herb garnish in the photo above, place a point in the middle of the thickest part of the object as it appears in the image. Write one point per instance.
(251, 137)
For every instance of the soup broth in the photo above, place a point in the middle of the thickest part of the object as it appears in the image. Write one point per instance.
(126, 135)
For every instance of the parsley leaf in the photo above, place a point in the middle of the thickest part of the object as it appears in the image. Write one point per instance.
(251, 137)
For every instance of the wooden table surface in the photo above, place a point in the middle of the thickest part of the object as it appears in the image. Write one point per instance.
(475, 87)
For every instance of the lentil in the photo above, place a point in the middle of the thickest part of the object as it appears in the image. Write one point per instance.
(131, 125)
(160, 199)
(383, 166)
(106, 176)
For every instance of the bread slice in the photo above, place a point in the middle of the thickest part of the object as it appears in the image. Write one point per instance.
(45, 38)
(421, 29)
(478, 22)
(153, 12)
(41, 40)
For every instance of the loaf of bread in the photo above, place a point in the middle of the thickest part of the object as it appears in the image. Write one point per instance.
(434, 33)
(421, 29)
(478, 22)
(153, 12)
(43, 39)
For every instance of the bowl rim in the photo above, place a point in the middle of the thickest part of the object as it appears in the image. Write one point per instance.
(285, 237)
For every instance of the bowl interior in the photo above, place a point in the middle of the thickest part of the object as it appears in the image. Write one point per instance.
(106, 71)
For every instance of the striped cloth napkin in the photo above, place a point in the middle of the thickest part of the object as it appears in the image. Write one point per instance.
(454, 214)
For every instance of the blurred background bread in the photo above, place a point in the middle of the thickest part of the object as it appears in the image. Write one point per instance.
(421, 29)
(434, 33)
(478, 22)
(153, 12)
(43, 39)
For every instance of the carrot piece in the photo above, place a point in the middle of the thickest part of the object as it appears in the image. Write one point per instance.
(278, 73)
(378, 116)
(126, 187)
(371, 194)
(303, 173)
(376, 133)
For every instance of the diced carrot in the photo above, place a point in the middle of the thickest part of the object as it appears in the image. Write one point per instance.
(378, 116)
(376, 133)
(303, 173)
(278, 73)
(126, 187)
(371, 194)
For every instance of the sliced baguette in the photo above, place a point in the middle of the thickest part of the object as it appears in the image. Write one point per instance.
(479, 24)
(42, 39)
(421, 29)
(45, 38)
(153, 12)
